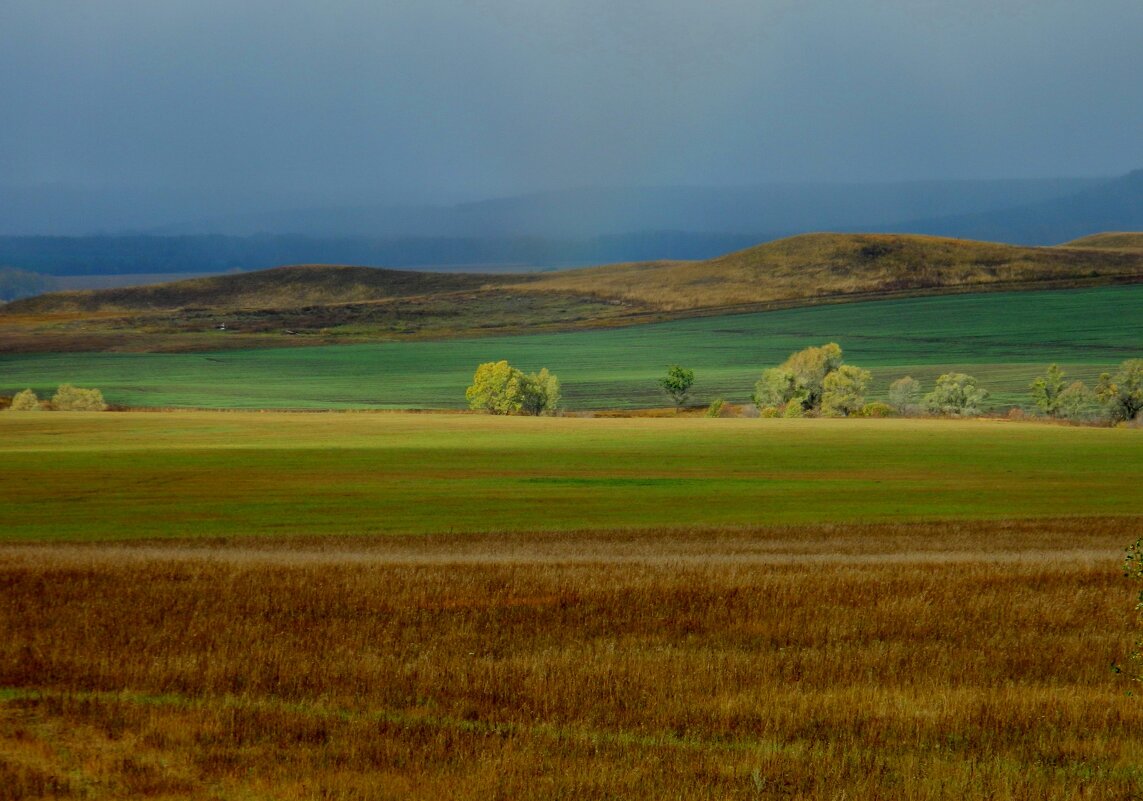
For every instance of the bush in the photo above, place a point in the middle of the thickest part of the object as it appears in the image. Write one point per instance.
(77, 399)
(715, 408)
(769, 412)
(877, 409)
(25, 401)
(793, 409)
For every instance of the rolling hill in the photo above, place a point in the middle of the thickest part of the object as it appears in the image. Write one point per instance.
(323, 304)
(1112, 240)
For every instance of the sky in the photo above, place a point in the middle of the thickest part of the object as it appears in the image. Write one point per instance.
(398, 101)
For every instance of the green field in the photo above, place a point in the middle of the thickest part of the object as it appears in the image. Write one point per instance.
(1003, 339)
(76, 476)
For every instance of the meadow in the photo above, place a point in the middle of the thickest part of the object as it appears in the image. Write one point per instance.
(1004, 339)
(83, 476)
(243, 605)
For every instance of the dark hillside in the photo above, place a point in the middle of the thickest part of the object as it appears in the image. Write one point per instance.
(288, 287)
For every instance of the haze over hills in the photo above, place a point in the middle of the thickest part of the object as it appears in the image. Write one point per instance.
(1112, 206)
(762, 212)
(313, 304)
(594, 226)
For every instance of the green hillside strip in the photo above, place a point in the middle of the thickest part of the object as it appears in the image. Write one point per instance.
(1005, 339)
(195, 474)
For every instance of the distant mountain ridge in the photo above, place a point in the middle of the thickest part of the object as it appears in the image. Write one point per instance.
(1112, 206)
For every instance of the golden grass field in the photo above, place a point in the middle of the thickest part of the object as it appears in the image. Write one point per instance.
(961, 660)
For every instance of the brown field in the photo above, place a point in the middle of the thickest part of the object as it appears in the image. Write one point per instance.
(919, 661)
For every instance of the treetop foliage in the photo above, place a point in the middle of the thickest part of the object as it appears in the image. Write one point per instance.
(677, 384)
(956, 394)
(500, 388)
(813, 380)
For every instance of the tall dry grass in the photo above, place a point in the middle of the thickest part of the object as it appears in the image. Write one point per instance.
(925, 661)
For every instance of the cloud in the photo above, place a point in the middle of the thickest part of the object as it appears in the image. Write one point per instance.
(423, 99)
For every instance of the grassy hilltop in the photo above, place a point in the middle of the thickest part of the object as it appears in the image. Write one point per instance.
(326, 304)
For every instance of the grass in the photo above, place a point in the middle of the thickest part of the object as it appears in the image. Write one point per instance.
(77, 476)
(199, 605)
(959, 660)
(1005, 339)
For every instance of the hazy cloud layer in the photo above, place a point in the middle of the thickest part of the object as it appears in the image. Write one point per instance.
(421, 100)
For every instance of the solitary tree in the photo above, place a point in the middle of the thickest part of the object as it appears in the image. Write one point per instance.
(956, 394)
(1122, 393)
(1046, 390)
(678, 384)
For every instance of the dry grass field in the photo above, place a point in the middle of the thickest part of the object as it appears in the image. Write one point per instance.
(905, 661)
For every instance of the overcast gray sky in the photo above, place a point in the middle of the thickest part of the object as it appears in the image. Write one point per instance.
(391, 100)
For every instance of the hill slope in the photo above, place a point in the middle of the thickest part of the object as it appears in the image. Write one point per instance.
(1112, 240)
(281, 287)
(328, 303)
(817, 266)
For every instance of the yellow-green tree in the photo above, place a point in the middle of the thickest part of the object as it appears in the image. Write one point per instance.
(500, 388)
(78, 399)
(800, 379)
(843, 391)
(25, 401)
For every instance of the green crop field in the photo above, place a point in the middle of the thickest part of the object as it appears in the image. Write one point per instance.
(1004, 339)
(76, 476)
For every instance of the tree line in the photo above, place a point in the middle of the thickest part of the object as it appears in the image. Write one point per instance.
(816, 381)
